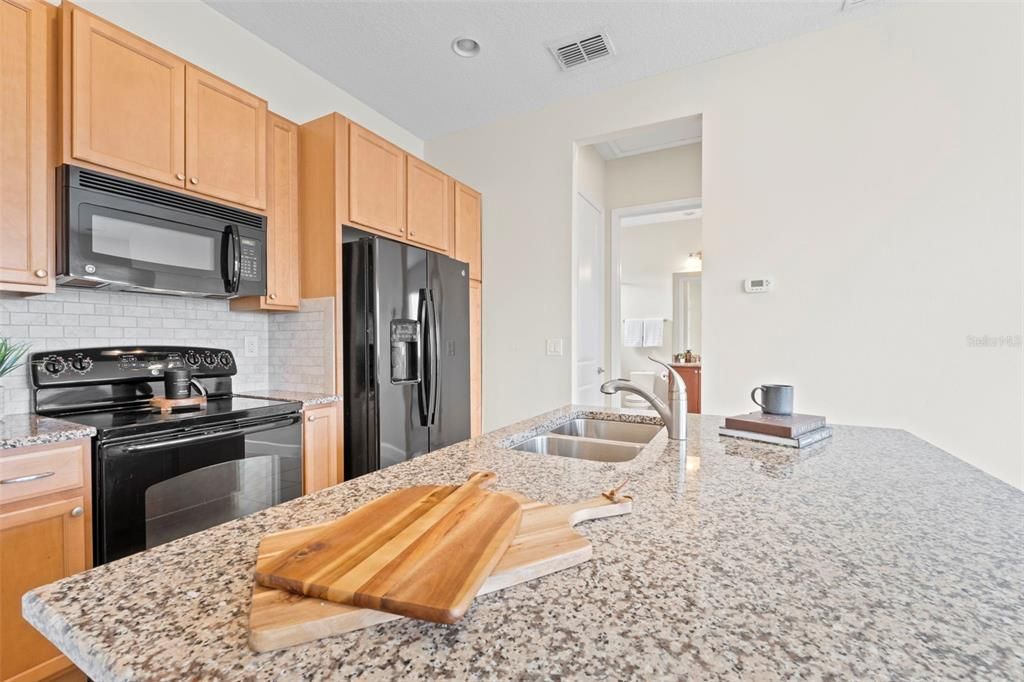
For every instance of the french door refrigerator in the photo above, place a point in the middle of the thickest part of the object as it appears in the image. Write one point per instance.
(405, 317)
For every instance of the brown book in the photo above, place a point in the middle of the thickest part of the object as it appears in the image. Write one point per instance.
(783, 426)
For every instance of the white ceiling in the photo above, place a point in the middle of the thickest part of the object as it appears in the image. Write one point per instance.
(396, 56)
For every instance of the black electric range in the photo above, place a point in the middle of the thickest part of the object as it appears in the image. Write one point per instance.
(158, 477)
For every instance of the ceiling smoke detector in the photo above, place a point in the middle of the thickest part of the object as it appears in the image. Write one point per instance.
(575, 53)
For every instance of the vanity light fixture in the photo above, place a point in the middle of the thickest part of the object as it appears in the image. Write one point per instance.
(694, 262)
(465, 47)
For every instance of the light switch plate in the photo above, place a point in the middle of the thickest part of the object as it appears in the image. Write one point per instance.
(252, 346)
(554, 346)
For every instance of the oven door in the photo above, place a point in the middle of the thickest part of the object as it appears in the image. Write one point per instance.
(152, 491)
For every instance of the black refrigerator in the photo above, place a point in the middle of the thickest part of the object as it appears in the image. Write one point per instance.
(405, 330)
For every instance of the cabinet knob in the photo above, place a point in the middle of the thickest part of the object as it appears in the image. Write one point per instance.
(412, 233)
(40, 273)
(194, 181)
(77, 511)
(273, 297)
(180, 176)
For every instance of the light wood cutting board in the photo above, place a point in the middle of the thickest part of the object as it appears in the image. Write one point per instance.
(546, 543)
(420, 552)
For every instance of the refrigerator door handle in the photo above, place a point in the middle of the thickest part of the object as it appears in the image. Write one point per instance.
(435, 360)
(425, 378)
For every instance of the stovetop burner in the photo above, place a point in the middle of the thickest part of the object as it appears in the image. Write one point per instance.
(110, 389)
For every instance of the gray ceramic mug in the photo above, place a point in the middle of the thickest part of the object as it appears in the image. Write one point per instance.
(777, 398)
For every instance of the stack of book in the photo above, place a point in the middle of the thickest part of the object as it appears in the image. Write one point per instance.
(794, 430)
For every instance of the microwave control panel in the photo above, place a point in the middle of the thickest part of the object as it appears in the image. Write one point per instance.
(250, 259)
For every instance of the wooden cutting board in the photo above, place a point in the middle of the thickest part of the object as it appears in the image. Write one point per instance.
(546, 543)
(421, 552)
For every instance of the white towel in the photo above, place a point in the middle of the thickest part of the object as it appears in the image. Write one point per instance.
(654, 332)
(633, 333)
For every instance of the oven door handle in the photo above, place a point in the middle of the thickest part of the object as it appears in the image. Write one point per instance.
(213, 435)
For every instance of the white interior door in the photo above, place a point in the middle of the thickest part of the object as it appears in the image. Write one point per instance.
(588, 266)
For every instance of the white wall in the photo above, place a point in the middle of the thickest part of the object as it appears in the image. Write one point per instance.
(874, 169)
(198, 33)
(654, 177)
(648, 255)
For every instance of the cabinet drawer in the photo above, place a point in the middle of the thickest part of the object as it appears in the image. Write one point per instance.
(27, 472)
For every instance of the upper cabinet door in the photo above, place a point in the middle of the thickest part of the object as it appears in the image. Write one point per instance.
(128, 102)
(467, 229)
(24, 172)
(226, 140)
(429, 205)
(376, 182)
(283, 214)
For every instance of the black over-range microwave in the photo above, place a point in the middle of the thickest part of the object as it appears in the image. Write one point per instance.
(119, 234)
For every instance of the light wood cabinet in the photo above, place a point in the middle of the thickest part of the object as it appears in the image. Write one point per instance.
(322, 464)
(476, 402)
(133, 108)
(282, 220)
(428, 205)
(45, 535)
(225, 140)
(376, 174)
(27, 104)
(127, 108)
(468, 225)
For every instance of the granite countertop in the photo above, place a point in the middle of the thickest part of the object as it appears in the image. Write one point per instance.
(23, 430)
(873, 555)
(306, 398)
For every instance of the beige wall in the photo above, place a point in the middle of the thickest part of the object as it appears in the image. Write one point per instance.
(649, 255)
(654, 177)
(874, 169)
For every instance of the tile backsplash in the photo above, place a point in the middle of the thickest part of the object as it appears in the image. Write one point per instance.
(302, 348)
(80, 318)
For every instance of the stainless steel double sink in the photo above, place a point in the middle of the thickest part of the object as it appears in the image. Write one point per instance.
(593, 439)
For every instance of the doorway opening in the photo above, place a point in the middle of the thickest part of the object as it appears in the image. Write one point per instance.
(637, 259)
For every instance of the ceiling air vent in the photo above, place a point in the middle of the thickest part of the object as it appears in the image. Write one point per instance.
(582, 50)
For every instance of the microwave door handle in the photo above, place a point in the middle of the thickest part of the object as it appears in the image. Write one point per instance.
(236, 251)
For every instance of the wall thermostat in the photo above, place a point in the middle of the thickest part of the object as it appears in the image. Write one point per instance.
(758, 286)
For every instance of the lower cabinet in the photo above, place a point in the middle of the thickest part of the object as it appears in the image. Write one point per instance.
(44, 536)
(691, 377)
(322, 463)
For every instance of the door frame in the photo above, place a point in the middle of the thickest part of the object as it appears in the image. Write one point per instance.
(642, 214)
(599, 207)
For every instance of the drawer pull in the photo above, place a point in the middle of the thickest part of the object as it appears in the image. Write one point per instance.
(314, 417)
(26, 479)
(77, 511)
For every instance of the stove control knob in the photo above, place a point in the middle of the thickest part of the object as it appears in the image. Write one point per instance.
(192, 358)
(81, 364)
(54, 365)
(224, 359)
(209, 358)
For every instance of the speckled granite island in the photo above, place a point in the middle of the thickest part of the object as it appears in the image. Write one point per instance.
(871, 556)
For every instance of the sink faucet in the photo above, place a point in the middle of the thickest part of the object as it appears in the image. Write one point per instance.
(673, 414)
